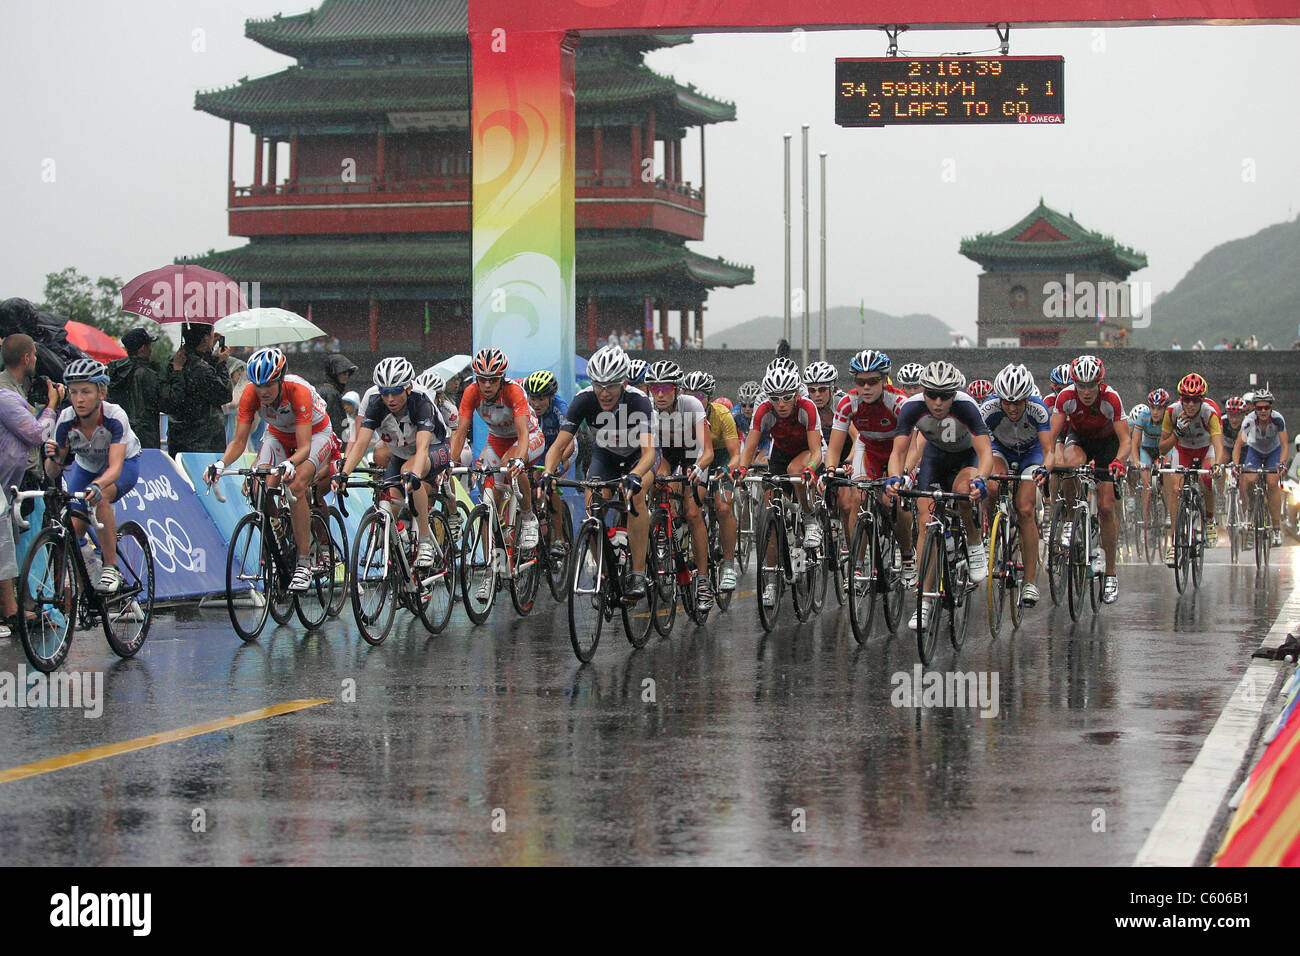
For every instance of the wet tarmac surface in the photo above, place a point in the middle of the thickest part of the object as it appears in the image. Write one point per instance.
(719, 745)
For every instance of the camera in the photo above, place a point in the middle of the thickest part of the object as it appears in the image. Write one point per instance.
(38, 393)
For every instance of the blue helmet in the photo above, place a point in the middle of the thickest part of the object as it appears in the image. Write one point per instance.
(869, 360)
(265, 366)
(1061, 375)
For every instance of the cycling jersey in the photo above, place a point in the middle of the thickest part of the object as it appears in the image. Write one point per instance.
(952, 433)
(826, 414)
(499, 414)
(789, 435)
(722, 426)
(1263, 435)
(1148, 430)
(1015, 439)
(877, 422)
(399, 430)
(91, 452)
(617, 431)
(299, 404)
(676, 426)
(1199, 432)
(551, 419)
(1091, 421)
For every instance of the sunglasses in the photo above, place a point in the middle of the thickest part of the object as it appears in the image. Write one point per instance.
(940, 396)
(868, 382)
(788, 397)
(1263, 408)
(393, 390)
(818, 389)
(489, 380)
(661, 388)
(605, 386)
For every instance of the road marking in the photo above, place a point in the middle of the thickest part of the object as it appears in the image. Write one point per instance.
(153, 740)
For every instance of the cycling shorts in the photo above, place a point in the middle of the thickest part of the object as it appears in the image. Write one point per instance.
(79, 479)
(939, 469)
(1255, 460)
(325, 449)
(498, 446)
(1017, 462)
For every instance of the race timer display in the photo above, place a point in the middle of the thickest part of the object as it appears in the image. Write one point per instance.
(911, 91)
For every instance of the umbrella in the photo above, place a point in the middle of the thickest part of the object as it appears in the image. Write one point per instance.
(258, 327)
(453, 366)
(182, 293)
(93, 342)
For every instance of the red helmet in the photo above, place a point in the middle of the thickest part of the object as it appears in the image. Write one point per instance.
(1192, 386)
(1158, 396)
(1236, 404)
(490, 362)
(980, 389)
(1087, 370)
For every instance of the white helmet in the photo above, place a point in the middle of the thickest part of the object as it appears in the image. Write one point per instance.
(942, 376)
(1013, 383)
(781, 380)
(820, 373)
(395, 372)
(609, 363)
(1137, 411)
(748, 392)
(431, 381)
(909, 374)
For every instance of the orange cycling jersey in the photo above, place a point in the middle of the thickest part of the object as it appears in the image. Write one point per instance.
(299, 404)
(499, 414)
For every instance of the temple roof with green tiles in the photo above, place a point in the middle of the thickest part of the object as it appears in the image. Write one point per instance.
(1047, 239)
(416, 267)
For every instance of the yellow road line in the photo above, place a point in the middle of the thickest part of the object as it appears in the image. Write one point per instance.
(153, 740)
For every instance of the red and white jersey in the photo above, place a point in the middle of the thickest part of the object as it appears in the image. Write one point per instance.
(790, 435)
(299, 403)
(876, 422)
(1200, 431)
(1091, 421)
(499, 415)
(1050, 401)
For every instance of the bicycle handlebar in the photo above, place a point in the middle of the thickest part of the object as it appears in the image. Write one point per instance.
(20, 496)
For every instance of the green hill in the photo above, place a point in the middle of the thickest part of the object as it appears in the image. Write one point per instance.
(843, 331)
(1245, 286)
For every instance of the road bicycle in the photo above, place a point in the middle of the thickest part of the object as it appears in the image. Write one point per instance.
(749, 513)
(1189, 527)
(602, 558)
(1155, 521)
(671, 555)
(57, 592)
(1006, 558)
(1257, 520)
(490, 555)
(263, 554)
(873, 564)
(720, 484)
(944, 590)
(781, 557)
(1075, 549)
(555, 547)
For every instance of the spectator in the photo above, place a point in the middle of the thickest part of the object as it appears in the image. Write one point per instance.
(135, 383)
(1175, 346)
(624, 341)
(338, 369)
(638, 340)
(351, 402)
(1199, 346)
(195, 387)
(613, 337)
(19, 355)
(21, 435)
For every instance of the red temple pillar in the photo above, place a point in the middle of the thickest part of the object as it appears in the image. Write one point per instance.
(230, 165)
(374, 325)
(647, 323)
(273, 153)
(670, 159)
(598, 154)
(379, 158)
(650, 140)
(293, 160)
(591, 322)
(636, 154)
(685, 316)
(663, 321)
(677, 159)
(699, 325)
(257, 164)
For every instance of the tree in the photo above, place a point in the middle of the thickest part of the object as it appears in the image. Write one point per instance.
(98, 303)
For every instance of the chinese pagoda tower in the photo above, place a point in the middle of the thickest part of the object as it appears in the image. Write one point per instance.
(359, 206)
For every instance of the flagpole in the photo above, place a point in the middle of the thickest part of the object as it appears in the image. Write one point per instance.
(822, 157)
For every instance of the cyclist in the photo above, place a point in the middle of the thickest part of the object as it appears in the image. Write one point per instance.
(1194, 430)
(957, 458)
(1234, 413)
(298, 443)
(908, 378)
(542, 388)
(819, 378)
(726, 448)
(620, 418)
(1020, 425)
(106, 458)
(793, 423)
(981, 390)
(1148, 423)
(683, 439)
(636, 373)
(1060, 378)
(407, 420)
(1089, 420)
(1263, 436)
(514, 434)
(432, 382)
(743, 413)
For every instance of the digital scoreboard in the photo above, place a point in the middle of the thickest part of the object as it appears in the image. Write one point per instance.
(917, 91)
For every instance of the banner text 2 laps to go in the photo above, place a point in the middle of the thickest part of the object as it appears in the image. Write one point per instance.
(907, 91)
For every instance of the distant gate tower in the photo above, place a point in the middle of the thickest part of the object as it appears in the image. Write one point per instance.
(359, 206)
(1047, 281)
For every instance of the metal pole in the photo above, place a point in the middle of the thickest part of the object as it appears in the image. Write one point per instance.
(805, 245)
(787, 237)
(822, 157)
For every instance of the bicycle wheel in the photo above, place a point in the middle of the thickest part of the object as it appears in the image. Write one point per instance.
(803, 585)
(999, 572)
(638, 616)
(1182, 546)
(1196, 539)
(49, 588)
(1057, 553)
(373, 603)
(339, 535)
(933, 568)
(743, 503)
(526, 571)
(588, 591)
(557, 569)
(716, 561)
(889, 573)
(1261, 521)
(771, 571)
(1076, 571)
(662, 575)
(313, 604)
(478, 565)
(248, 578)
(1015, 573)
(281, 596)
(821, 556)
(862, 578)
(129, 611)
(839, 562)
(961, 595)
(437, 582)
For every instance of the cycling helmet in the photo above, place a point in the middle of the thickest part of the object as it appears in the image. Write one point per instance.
(701, 382)
(431, 381)
(961, 379)
(86, 370)
(725, 403)
(1013, 384)
(1087, 370)
(910, 374)
(664, 372)
(748, 392)
(869, 360)
(782, 361)
(1159, 397)
(820, 373)
(1192, 386)
(1237, 404)
(609, 363)
(942, 376)
(1061, 375)
(541, 384)
(636, 372)
(1136, 412)
(265, 366)
(1263, 395)
(395, 372)
(982, 388)
(490, 363)
(781, 381)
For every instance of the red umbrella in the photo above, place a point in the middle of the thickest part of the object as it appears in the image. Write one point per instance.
(93, 342)
(183, 293)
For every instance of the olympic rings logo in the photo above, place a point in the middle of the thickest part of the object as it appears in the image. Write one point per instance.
(172, 548)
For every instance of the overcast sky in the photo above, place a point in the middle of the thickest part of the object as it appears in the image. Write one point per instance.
(1176, 139)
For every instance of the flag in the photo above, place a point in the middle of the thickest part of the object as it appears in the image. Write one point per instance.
(426, 318)
(862, 312)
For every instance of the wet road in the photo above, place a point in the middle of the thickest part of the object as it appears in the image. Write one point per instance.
(490, 744)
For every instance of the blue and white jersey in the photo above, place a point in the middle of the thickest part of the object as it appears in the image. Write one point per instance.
(1020, 436)
(952, 433)
(398, 432)
(550, 421)
(113, 428)
(1149, 431)
(1263, 434)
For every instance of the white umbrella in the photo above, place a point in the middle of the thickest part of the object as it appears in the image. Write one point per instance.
(453, 366)
(258, 327)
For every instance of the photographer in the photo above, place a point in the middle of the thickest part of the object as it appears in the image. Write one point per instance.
(195, 387)
(20, 437)
(135, 383)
